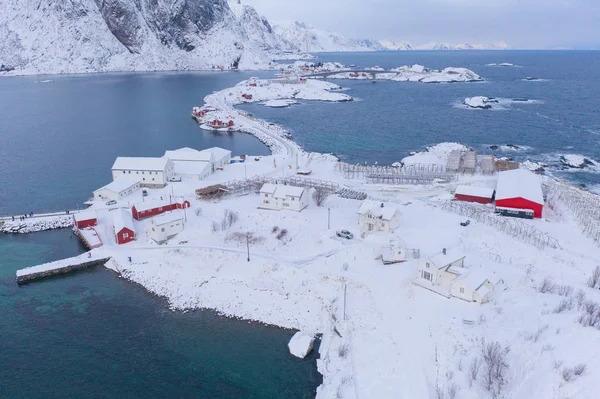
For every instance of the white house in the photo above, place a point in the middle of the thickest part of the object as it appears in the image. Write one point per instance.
(376, 216)
(393, 253)
(117, 190)
(151, 172)
(279, 196)
(166, 226)
(442, 268)
(194, 164)
(474, 287)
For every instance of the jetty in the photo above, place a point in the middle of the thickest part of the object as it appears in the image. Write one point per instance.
(58, 267)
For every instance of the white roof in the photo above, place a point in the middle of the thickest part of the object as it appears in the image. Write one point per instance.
(482, 192)
(85, 215)
(122, 219)
(91, 236)
(519, 183)
(288, 191)
(452, 255)
(190, 168)
(385, 213)
(473, 278)
(188, 154)
(219, 152)
(167, 218)
(140, 163)
(147, 205)
(119, 185)
(483, 291)
(268, 188)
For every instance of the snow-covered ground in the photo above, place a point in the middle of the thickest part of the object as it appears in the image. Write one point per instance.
(415, 73)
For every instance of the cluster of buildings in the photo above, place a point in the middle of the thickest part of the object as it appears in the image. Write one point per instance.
(518, 193)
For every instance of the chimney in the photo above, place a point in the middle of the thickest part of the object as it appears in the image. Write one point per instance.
(444, 251)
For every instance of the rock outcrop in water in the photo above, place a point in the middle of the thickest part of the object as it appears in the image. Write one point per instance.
(47, 36)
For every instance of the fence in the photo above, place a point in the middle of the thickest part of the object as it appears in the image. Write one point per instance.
(583, 205)
(510, 226)
(408, 174)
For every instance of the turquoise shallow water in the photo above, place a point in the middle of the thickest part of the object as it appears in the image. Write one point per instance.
(94, 335)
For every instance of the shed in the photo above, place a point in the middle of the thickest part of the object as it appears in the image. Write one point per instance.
(85, 219)
(123, 227)
(117, 190)
(210, 192)
(166, 226)
(480, 195)
(520, 189)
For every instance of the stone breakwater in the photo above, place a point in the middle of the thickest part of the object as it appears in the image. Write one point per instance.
(32, 225)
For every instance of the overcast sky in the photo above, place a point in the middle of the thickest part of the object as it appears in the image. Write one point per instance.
(520, 23)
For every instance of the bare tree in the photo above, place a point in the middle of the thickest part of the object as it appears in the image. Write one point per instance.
(320, 195)
(547, 286)
(474, 371)
(494, 367)
(594, 278)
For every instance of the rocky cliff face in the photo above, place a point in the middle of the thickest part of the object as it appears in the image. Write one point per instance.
(49, 36)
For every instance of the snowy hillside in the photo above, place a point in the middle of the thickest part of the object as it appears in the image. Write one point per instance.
(311, 39)
(45, 36)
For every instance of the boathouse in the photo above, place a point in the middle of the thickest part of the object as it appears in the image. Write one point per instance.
(150, 172)
(123, 227)
(85, 219)
(480, 195)
(117, 190)
(519, 192)
(167, 226)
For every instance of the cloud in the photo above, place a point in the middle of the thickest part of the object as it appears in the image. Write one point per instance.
(521, 23)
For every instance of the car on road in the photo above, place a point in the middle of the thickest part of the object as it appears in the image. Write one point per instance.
(111, 202)
(344, 234)
(145, 193)
(175, 179)
(465, 223)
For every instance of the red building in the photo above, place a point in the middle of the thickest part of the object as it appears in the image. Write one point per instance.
(480, 195)
(247, 96)
(85, 219)
(123, 227)
(149, 209)
(520, 189)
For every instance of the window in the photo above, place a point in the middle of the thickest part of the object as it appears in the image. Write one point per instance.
(266, 202)
(153, 229)
(427, 265)
(462, 290)
(125, 235)
(137, 173)
(142, 172)
(143, 178)
(369, 226)
(286, 204)
(123, 172)
(129, 171)
(153, 179)
(163, 229)
(160, 209)
(426, 275)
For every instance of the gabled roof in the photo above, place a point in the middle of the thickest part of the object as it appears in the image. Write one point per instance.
(191, 168)
(219, 152)
(442, 260)
(482, 192)
(119, 185)
(374, 207)
(122, 220)
(188, 154)
(140, 163)
(85, 215)
(147, 205)
(519, 183)
(474, 278)
(166, 218)
(284, 191)
(268, 188)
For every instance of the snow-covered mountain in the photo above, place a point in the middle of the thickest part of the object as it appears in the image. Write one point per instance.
(48, 36)
(310, 39)
(390, 45)
(394, 46)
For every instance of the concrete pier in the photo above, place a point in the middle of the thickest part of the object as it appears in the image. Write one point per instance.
(58, 267)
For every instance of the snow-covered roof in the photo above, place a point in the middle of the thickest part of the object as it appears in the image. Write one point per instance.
(191, 168)
(188, 154)
(268, 188)
(140, 163)
(441, 260)
(119, 185)
(386, 212)
(483, 291)
(122, 219)
(288, 191)
(85, 215)
(167, 218)
(147, 205)
(519, 183)
(219, 152)
(482, 192)
(473, 279)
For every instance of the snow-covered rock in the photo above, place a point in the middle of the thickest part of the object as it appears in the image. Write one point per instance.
(482, 102)
(310, 39)
(130, 35)
(434, 155)
(301, 344)
(280, 103)
(576, 161)
(413, 73)
(479, 102)
(533, 166)
(32, 225)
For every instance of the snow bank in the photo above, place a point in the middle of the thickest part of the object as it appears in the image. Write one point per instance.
(30, 225)
(436, 154)
(301, 344)
(280, 103)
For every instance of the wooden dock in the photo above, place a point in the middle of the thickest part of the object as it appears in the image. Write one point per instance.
(58, 267)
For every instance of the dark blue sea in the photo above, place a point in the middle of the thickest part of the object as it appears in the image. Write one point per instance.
(93, 334)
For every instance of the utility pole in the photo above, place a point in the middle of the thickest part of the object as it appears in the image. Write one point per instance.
(248, 245)
(328, 218)
(245, 173)
(345, 286)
